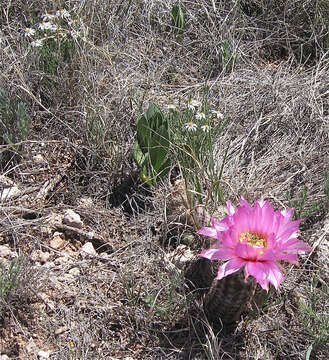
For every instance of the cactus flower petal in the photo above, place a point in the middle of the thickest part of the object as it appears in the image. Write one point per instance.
(255, 238)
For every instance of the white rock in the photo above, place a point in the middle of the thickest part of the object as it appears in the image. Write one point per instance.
(5, 252)
(58, 241)
(44, 354)
(73, 219)
(88, 249)
(40, 256)
(181, 255)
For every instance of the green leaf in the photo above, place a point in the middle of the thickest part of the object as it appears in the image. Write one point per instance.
(139, 156)
(153, 110)
(178, 17)
(154, 117)
(143, 134)
(159, 148)
(308, 352)
(152, 145)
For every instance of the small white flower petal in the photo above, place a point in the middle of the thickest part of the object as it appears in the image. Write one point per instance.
(200, 115)
(36, 43)
(45, 25)
(205, 128)
(63, 13)
(195, 103)
(75, 34)
(218, 114)
(47, 16)
(191, 126)
(29, 32)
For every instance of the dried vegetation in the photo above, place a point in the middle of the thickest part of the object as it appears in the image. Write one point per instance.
(266, 65)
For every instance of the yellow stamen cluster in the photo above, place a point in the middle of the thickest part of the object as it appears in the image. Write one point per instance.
(254, 239)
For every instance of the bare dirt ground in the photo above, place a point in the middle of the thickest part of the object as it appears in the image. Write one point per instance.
(114, 285)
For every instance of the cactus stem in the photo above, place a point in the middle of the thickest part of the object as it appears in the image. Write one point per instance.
(228, 298)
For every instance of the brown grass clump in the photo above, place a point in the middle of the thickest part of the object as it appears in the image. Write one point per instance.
(67, 130)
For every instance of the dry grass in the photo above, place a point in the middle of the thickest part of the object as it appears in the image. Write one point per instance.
(266, 66)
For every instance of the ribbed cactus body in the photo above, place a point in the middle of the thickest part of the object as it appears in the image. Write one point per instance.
(228, 298)
(200, 275)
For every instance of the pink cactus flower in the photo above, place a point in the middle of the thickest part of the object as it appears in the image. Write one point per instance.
(255, 238)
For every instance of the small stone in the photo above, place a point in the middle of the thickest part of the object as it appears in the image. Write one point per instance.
(73, 219)
(44, 257)
(88, 249)
(181, 255)
(44, 354)
(5, 252)
(57, 242)
(40, 256)
(68, 277)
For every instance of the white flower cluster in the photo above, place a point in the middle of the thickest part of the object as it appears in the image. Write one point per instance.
(199, 115)
(51, 27)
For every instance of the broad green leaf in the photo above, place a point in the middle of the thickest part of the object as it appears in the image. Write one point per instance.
(139, 156)
(143, 133)
(159, 148)
(178, 17)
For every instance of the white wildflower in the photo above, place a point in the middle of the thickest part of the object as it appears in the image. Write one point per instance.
(29, 32)
(75, 34)
(53, 27)
(36, 43)
(193, 104)
(46, 25)
(218, 114)
(205, 128)
(63, 13)
(191, 126)
(200, 115)
(47, 16)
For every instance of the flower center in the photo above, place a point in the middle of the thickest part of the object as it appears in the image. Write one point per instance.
(254, 239)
